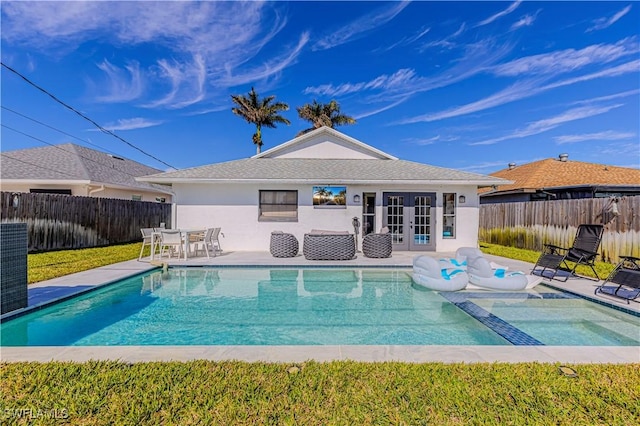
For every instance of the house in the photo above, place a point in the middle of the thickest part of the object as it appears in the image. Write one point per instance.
(77, 170)
(327, 180)
(560, 179)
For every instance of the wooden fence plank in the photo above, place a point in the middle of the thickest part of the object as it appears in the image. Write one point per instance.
(56, 221)
(530, 225)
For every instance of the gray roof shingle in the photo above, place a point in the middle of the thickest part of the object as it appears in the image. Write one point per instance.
(322, 170)
(74, 162)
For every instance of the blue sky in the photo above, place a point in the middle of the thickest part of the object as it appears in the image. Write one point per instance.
(466, 85)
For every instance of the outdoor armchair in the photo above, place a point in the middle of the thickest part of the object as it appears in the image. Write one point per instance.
(283, 244)
(377, 245)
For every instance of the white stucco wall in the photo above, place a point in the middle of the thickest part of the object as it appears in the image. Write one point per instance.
(234, 208)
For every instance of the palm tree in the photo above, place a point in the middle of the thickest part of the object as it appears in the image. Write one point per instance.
(261, 112)
(323, 115)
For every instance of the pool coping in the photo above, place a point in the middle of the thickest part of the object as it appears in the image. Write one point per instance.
(287, 354)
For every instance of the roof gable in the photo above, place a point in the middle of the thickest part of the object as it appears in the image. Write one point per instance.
(553, 173)
(325, 143)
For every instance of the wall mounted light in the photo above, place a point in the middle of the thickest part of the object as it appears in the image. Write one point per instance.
(356, 199)
(462, 199)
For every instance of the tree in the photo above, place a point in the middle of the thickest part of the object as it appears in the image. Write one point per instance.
(261, 112)
(323, 115)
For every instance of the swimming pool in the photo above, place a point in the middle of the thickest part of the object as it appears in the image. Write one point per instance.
(314, 306)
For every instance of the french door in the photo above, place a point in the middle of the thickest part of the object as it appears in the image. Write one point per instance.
(410, 219)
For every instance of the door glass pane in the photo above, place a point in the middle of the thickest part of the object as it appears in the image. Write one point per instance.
(395, 212)
(421, 220)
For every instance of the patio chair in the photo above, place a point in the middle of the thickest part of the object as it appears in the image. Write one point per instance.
(210, 243)
(625, 278)
(215, 240)
(146, 239)
(171, 241)
(283, 244)
(583, 252)
(377, 245)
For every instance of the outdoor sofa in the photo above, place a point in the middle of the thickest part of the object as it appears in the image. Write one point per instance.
(329, 245)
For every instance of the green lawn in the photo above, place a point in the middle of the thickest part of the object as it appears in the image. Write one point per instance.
(340, 393)
(53, 264)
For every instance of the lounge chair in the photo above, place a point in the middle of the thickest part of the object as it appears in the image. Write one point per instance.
(583, 252)
(147, 234)
(625, 279)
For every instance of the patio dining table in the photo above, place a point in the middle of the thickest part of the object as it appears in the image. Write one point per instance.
(185, 234)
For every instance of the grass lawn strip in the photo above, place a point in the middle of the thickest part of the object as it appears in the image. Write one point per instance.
(206, 392)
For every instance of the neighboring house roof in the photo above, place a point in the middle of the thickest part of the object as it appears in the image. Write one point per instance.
(73, 163)
(292, 167)
(556, 173)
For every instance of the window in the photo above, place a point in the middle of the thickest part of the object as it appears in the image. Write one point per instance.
(278, 206)
(136, 197)
(50, 191)
(161, 199)
(449, 215)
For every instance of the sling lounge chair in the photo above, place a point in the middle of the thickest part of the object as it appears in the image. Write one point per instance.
(625, 279)
(583, 252)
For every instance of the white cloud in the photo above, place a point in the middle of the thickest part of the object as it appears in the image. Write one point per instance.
(269, 68)
(521, 90)
(547, 124)
(525, 21)
(200, 45)
(608, 135)
(569, 59)
(513, 6)
(356, 28)
(123, 84)
(399, 78)
(447, 42)
(131, 124)
(430, 141)
(602, 23)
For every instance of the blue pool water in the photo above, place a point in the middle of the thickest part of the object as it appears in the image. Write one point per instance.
(262, 306)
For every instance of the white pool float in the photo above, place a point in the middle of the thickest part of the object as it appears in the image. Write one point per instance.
(428, 273)
(483, 276)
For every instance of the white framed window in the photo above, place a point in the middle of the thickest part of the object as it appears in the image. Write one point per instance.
(278, 206)
(448, 215)
(136, 197)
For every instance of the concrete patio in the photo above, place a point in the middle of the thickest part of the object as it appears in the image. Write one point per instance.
(61, 288)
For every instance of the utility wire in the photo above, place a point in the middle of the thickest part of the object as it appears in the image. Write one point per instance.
(109, 166)
(57, 130)
(102, 129)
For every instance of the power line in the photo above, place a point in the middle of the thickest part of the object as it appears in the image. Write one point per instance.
(102, 129)
(57, 130)
(61, 149)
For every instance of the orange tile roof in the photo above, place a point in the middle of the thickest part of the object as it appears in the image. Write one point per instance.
(551, 173)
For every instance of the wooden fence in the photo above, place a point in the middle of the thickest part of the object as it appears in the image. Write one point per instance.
(67, 222)
(530, 225)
